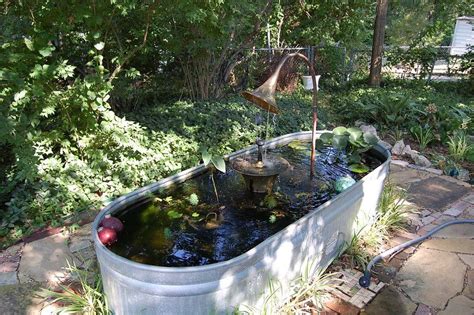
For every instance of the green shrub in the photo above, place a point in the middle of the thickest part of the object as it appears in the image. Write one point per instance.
(124, 153)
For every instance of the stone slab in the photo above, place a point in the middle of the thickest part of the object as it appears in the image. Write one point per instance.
(20, 299)
(423, 309)
(460, 305)
(435, 193)
(405, 177)
(426, 278)
(390, 302)
(469, 289)
(465, 246)
(456, 231)
(8, 278)
(45, 260)
(467, 259)
(469, 198)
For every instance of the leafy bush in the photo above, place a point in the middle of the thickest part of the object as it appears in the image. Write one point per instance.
(124, 153)
(401, 105)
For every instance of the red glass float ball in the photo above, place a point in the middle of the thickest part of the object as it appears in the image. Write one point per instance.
(112, 223)
(107, 236)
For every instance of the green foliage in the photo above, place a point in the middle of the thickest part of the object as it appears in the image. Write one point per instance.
(193, 199)
(400, 105)
(353, 141)
(304, 294)
(87, 298)
(459, 146)
(423, 135)
(391, 215)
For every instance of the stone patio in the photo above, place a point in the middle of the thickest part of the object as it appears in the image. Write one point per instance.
(27, 268)
(436, 277)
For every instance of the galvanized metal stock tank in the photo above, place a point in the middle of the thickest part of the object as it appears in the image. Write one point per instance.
(134, 288)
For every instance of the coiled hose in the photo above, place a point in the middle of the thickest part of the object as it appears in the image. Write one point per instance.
(364, 281)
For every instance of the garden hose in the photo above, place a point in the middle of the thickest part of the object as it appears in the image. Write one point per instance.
(364, 281)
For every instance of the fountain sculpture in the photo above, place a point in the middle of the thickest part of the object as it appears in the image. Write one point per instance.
(260, 174)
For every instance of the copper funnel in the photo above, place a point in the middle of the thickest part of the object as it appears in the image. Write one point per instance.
(264, 95)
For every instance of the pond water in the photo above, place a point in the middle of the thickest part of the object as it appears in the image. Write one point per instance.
(186, 226)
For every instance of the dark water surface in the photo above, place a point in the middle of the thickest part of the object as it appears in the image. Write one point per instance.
(170, 229)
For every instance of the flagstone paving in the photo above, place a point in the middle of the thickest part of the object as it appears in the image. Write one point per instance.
(436, 277)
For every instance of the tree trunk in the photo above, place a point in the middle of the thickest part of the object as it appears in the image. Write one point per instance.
(377, 45)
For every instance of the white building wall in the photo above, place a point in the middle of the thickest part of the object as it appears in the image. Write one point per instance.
(463, 35)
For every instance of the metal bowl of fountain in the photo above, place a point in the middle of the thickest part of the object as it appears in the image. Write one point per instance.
(259, 173)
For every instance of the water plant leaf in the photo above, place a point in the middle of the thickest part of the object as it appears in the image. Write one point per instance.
(172, 214)
(320, 144)
(359, 168)
(168, 234)
(354, 158)
(355, 134)
(326, 137)
(339, 142)
(272, 218)
(370, 138)
(193, 199)
(297, 145)
(219, 163)
(270, 201)
(339, 131)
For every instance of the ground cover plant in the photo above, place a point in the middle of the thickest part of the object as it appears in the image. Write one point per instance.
(430, 117)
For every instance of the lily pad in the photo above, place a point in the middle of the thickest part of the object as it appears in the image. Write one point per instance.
(339, 131)
(355, 134)
(339, 142)
(370, 138)
(298, 145)
(359, 168)
(326, 137)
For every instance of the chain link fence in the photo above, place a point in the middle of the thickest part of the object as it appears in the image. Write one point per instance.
(338, 65)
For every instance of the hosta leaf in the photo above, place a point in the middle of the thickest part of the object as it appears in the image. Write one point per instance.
(29, 44)
(206, 156)
(99, 46)
(219, 163)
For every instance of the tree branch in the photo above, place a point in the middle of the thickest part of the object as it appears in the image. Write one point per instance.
(138, 48)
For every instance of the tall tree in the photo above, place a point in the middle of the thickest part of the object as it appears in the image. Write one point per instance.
(377, 45)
